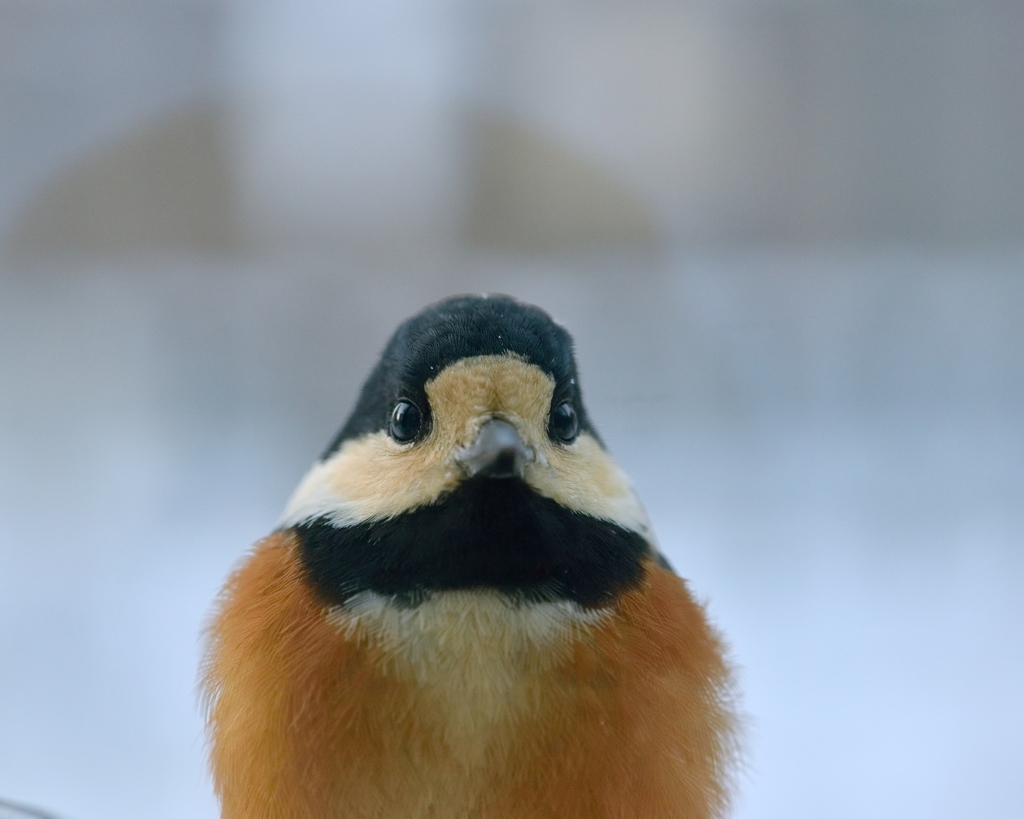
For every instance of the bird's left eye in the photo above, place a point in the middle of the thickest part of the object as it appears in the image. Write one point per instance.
(406, 421)
(564, 424)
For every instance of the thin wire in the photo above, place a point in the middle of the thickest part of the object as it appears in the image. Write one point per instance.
(12, 810)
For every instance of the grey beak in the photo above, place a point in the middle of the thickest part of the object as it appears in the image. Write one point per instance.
(498, 452)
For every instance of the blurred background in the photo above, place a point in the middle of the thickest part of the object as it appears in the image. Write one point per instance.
(788, 236)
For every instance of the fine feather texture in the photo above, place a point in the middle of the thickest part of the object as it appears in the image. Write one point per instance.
(328, 713)
(453, 330)
(429, 637)
(373, 477)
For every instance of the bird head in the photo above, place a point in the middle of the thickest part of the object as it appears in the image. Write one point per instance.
(469, 462)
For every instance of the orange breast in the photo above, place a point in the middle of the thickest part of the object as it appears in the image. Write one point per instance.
(307, 720)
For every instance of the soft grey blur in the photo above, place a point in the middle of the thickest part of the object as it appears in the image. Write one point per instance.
(787, 236)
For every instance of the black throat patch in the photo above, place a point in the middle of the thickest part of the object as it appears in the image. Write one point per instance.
(487, 534)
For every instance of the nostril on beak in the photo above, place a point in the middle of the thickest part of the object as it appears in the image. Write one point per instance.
(498, 452)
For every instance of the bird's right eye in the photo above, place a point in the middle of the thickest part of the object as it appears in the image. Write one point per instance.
(406, 420)
(564, 423)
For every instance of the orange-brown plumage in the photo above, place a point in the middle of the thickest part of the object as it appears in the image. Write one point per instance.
(307, 722)
(463, 613)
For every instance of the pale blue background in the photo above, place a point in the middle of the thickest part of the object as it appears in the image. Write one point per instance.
(787, 236)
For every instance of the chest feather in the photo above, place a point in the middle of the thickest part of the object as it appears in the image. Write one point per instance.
(465, 705)
(474, 661)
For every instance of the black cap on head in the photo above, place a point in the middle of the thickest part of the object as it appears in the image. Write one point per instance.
(453, 329)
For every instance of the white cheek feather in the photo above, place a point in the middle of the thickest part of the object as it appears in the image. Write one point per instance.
(374, 478)
(586, 479)
(315, 497)
(322, 492)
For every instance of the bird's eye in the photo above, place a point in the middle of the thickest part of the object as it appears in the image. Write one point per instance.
(406, 421)
(564, 424)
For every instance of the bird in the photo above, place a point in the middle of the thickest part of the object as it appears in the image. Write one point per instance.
(463, 610)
